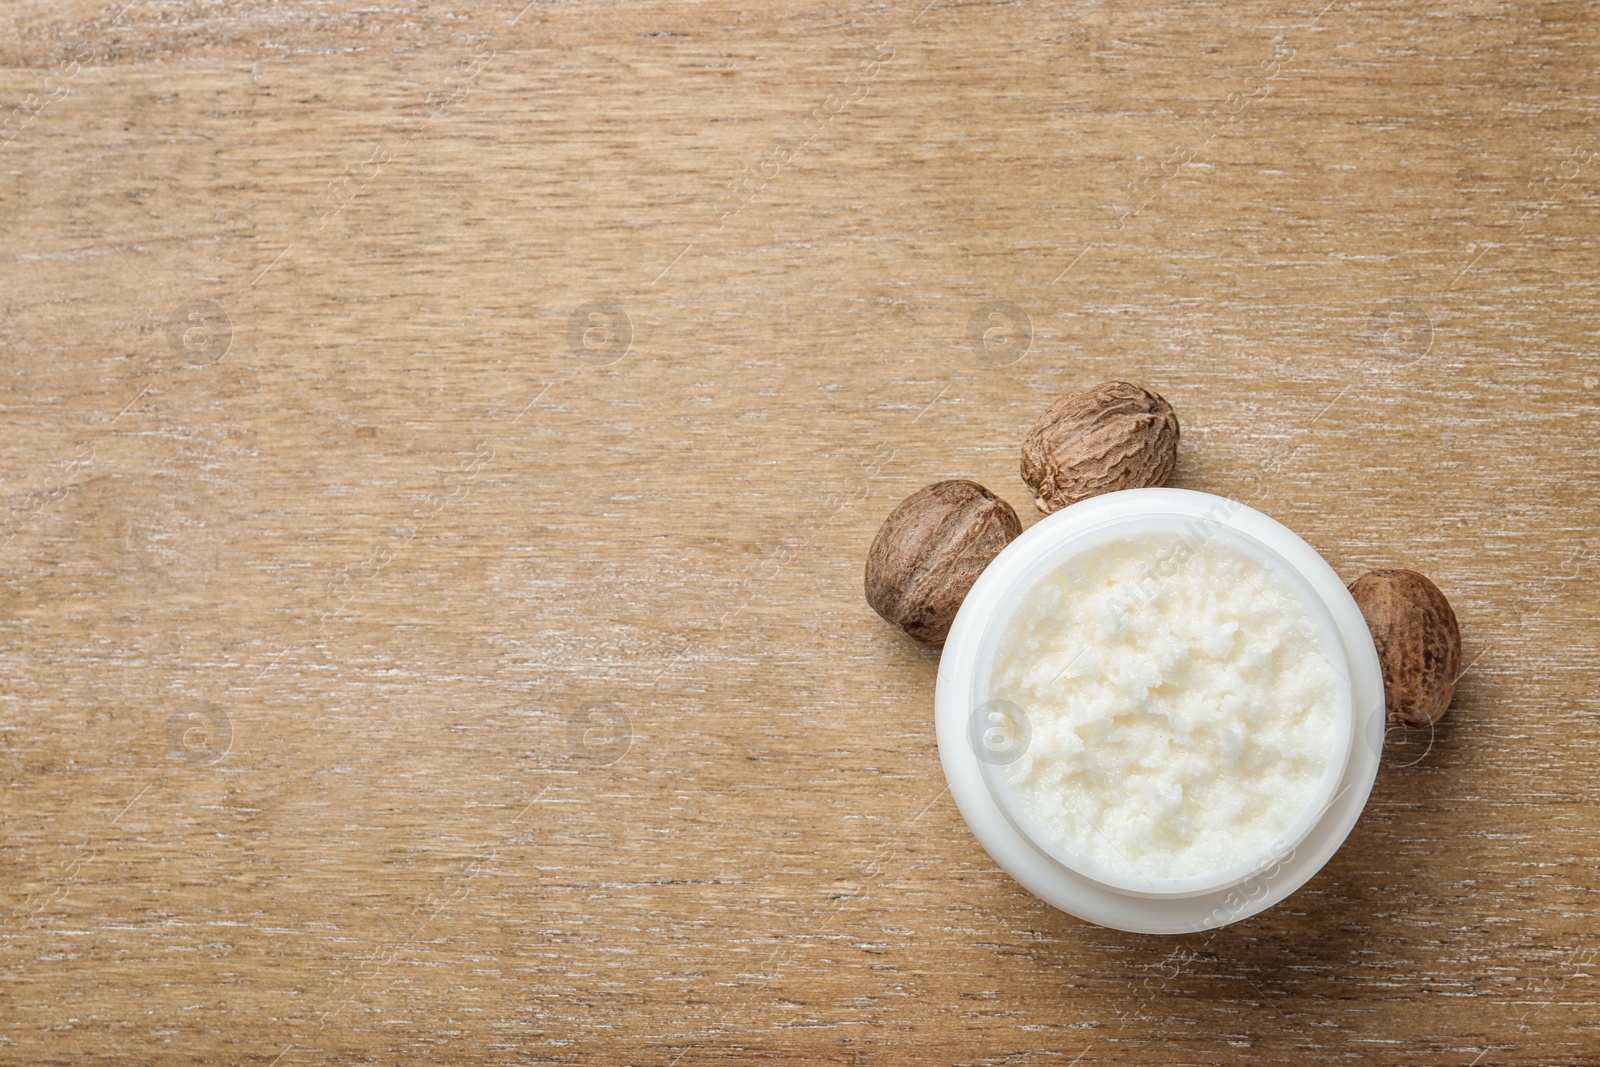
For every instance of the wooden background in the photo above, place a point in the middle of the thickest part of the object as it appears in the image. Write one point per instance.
(439, 443)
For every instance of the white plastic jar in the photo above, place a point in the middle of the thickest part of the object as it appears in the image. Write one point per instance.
(984, 737)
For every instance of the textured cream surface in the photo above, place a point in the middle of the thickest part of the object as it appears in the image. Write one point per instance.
(1181, 710)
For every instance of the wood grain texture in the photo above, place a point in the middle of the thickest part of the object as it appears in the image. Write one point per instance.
(441, 441)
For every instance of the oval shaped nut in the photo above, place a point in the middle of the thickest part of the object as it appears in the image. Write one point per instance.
(1418, 640)
(930, 550)
(1114, 436)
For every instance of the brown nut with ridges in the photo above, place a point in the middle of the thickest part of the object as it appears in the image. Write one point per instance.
(1418, 641)
(1114, 436)
(930, 550)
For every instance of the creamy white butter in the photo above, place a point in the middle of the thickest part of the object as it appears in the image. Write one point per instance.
(1181, 714)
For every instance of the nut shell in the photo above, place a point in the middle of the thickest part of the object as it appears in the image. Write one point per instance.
(1418, 640)
(1114, 436)
(930, 550)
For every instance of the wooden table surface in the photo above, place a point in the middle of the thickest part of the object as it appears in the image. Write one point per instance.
(441, 443)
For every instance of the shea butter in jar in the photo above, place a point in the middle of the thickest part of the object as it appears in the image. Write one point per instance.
(1160, 710)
